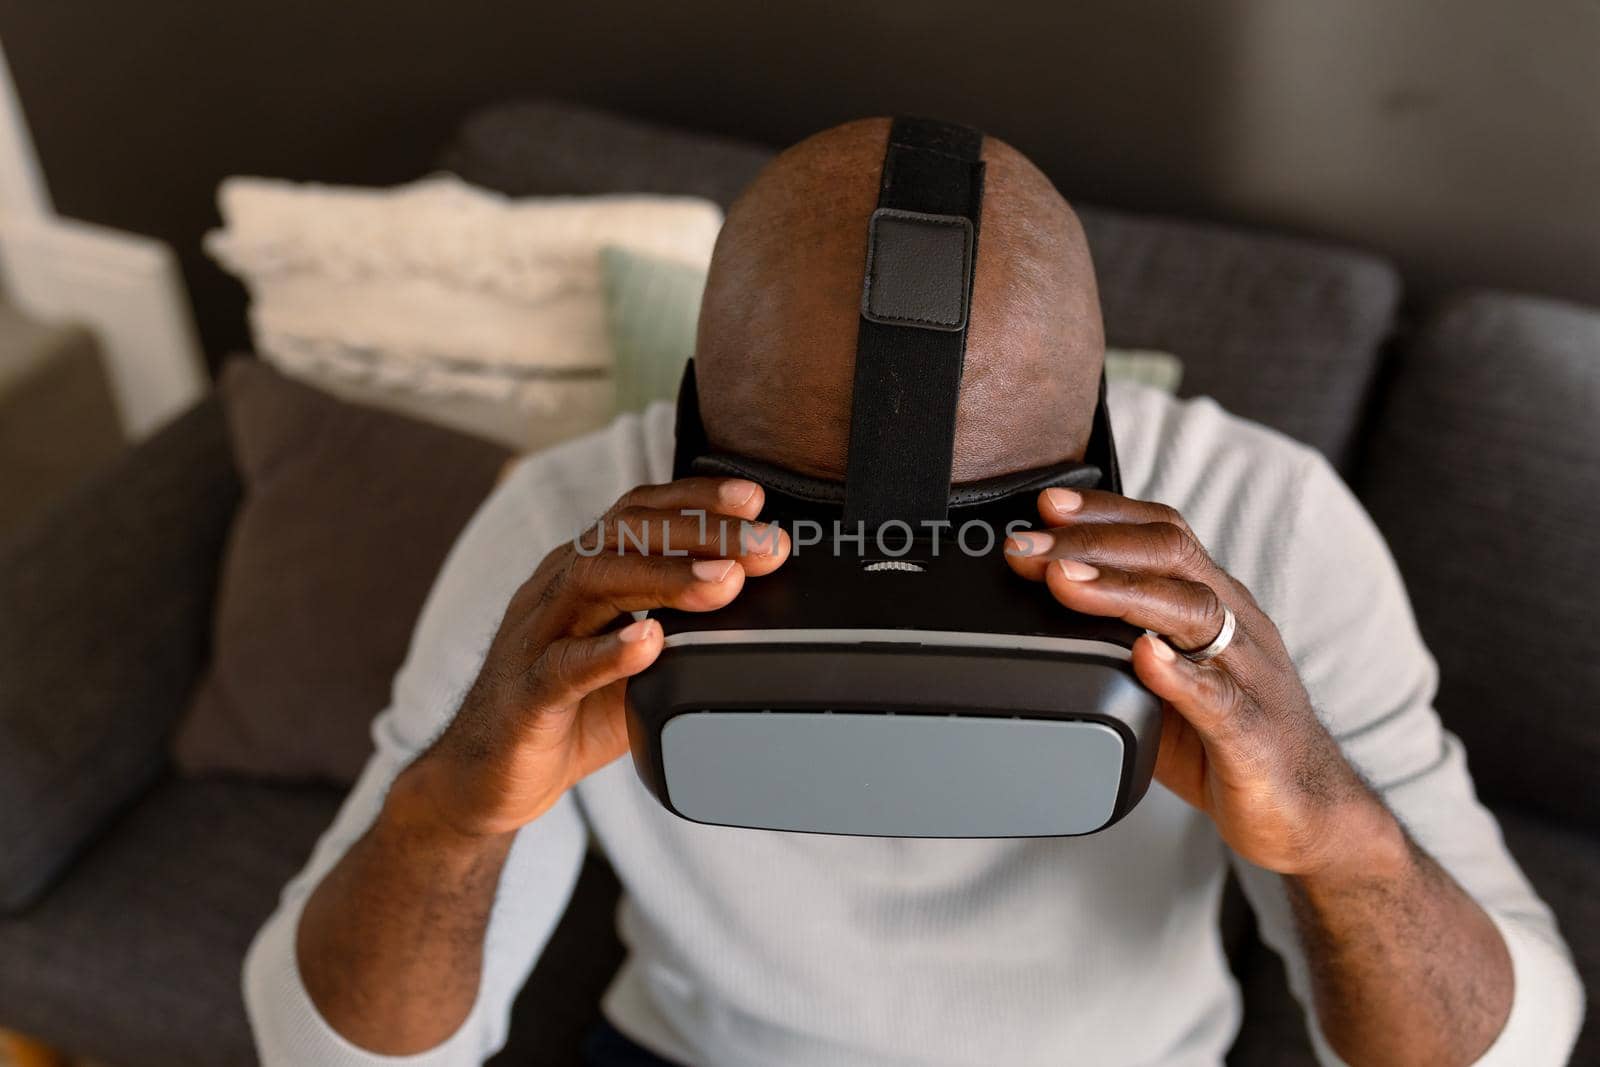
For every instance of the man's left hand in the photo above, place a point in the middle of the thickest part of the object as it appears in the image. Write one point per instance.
(1239, 739)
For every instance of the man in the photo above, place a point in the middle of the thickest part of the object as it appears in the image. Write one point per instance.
(1306, 752)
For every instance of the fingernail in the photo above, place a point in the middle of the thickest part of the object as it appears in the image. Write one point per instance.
(1077, 571)
(1064, 500)
(736, 492)
(712, 570)
(1027, 543)
(635, 631)
(1162, 650)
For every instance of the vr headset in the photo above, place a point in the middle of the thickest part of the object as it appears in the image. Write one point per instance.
(914, 685)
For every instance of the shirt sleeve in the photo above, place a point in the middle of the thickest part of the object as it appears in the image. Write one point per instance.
(495, 554)
(1349, 627)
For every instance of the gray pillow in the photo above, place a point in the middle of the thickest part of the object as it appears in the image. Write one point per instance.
(652, 309)
(1484, 474)
(1280, 330)
(348, 513)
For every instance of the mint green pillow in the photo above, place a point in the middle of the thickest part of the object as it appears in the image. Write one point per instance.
(652, 309)
(653, 306)
(1160, 370)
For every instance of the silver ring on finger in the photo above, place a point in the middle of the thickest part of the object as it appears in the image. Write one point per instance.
(1220, 643)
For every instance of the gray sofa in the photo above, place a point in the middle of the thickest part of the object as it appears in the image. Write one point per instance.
(128, 892)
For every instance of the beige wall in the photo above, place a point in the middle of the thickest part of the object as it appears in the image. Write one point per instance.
(1460, 137)
(1463, 136)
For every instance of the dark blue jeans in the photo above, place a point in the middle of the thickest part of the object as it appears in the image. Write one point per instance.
(607, 1047)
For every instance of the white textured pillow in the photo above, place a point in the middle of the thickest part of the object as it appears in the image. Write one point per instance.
(443, 300)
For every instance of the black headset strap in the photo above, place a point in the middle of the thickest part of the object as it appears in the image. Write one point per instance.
(690, 443)
(1101, 451)
(908, 376)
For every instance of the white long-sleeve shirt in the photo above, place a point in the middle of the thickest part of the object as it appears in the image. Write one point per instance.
(750, 947)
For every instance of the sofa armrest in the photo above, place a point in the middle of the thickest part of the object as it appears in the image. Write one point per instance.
(105, 613)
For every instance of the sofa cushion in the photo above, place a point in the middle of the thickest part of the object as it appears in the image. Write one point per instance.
(1484, 474)
(1279, 330)
(105, 606)
(135, 958)
(347, 515)
(547, 148)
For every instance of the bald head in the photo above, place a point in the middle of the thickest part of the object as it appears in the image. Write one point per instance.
(775, 359)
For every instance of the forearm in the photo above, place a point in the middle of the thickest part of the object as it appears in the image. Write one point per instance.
(1405, 967)
(390, 944)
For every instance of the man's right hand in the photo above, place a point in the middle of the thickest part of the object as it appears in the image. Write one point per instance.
(390, 943)
(547, 709)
